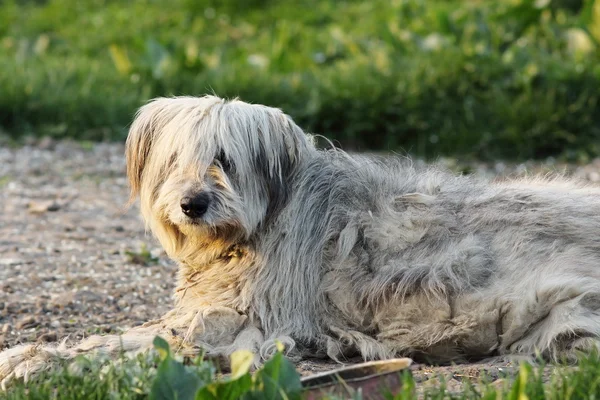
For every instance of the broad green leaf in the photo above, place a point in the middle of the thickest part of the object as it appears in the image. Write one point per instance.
(173, 380)
(162, 347)
(278, 379)
(226, 390)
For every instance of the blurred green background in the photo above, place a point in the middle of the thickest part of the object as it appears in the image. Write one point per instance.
(510, 79)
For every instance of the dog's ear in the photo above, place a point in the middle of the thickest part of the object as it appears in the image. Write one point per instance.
(141, 135)
(297, 142)
(292, 146)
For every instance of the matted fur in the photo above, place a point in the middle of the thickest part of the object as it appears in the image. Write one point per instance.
(337, 254)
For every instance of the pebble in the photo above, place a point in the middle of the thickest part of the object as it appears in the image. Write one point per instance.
(63, 299)
(10, 262)
(108, 328)
(11, 308)
(87, 296)
(47, 337)
(6, 328)
(40, 207)
(27, 322)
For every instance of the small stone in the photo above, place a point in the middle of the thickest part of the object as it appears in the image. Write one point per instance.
(53, 207)
(594, 176)
(6, 328)
(107, 329)
(11, 262)
(87, 296)
(119, 228)
(40, 207)
(55, 324)
(63, 299)
(47, 337)
(11, 308)
(27, 322)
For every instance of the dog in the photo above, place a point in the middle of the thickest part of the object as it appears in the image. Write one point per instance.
(336, 255)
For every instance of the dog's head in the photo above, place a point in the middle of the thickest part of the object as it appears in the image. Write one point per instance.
(210, 170)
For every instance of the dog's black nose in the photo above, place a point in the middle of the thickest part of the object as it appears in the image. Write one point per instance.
(195, 206)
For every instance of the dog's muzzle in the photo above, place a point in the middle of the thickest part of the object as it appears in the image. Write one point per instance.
(195, 206)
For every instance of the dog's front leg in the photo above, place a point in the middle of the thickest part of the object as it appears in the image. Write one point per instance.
(218, 331)
(27, 360)
(221, 330)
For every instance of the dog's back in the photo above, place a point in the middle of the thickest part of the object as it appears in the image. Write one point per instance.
(422, 262)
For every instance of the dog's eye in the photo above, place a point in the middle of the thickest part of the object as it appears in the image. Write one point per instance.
(224, 162)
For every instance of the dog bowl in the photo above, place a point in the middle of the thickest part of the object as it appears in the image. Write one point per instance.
(374, 379)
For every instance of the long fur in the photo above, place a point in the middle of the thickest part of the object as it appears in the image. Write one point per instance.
(336, 254)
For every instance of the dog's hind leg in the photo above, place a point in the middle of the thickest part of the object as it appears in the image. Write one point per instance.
(567, 326)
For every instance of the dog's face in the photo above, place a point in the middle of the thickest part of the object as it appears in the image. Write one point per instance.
(209, 170)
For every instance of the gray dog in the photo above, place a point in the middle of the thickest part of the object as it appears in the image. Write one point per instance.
(335, 254)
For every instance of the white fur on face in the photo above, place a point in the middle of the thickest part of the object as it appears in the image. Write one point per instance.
(225, 209)
(233, 152)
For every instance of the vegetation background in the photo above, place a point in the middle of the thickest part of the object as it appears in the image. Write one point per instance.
(507, 79)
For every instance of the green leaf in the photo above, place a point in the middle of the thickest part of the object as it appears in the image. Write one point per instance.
(227, 390)
(162, 347)
(278, 379)
(173, 380)
(239, 383)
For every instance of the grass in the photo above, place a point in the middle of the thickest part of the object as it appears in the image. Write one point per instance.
(160, 375)
(510, 79)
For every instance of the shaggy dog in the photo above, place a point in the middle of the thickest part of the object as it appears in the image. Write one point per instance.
(336, 255)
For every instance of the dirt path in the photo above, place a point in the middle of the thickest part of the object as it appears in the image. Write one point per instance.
(73, 262)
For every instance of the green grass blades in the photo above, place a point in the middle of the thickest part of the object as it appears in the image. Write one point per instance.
(125, 379)
(163, 376)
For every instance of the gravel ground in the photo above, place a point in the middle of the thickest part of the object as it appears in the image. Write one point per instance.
(74, 261)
